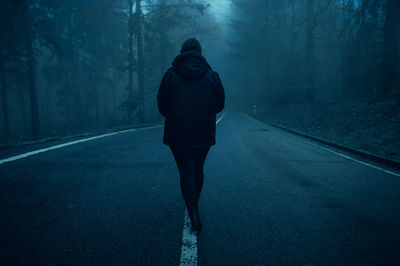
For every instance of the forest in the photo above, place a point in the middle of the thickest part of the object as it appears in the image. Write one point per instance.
(76, 66)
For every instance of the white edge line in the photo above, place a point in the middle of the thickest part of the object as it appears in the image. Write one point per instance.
(338, 153)
(24, 155)
(189, 238)
(28, 154)
(353, 159)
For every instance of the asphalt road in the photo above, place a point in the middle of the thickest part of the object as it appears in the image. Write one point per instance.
(268, 198)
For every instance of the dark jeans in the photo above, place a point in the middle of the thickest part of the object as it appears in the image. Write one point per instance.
(190, 164)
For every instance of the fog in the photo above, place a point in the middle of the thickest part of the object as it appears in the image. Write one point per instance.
(87, 66)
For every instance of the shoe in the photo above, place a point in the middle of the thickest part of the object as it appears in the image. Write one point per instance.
(195, 219)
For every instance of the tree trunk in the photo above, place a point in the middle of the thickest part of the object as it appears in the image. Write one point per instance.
(100, 90)
(113, 95)
(163, 38)
(343, 50)
(140, 58)
(4, 103)
(390, 61)
(31, 71)
(76, 88)
(130, 51)
(310, 93)
(293, 29)
(292, 70)
(266, 83)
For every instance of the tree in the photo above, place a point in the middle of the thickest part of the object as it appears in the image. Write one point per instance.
(140, 59)
(391, 56)
(12, 60)
(4, 99)
(310, 90)
(29, 39)
(163, 36)
(131, 59)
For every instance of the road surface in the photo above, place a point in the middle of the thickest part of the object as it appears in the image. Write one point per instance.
(269, 198)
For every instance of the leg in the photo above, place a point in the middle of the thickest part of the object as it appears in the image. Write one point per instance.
(185, 161)
(199, 159)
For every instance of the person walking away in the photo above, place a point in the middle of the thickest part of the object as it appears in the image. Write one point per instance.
(189, 97)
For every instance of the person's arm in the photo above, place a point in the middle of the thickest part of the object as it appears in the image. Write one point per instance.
(164, 94)
(219, 94)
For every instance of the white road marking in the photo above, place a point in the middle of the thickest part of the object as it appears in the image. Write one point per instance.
(189, 238)
(189, 244)
(340, 154)
(24, 155)
(353, 159)
(220, 118)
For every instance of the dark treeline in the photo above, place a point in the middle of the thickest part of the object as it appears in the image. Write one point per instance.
(297, 51)
(75, 66)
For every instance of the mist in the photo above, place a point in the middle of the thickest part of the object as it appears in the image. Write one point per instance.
(280, 119)
(73, 67)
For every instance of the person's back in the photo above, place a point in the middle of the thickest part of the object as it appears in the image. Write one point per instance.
(190, 96)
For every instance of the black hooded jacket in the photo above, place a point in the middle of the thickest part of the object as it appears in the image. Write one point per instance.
(190, 96)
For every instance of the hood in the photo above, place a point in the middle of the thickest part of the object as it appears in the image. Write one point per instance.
(190, 65)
